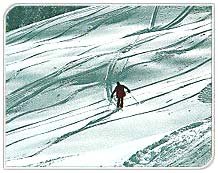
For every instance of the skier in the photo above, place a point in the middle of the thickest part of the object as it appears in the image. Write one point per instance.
(120, 93)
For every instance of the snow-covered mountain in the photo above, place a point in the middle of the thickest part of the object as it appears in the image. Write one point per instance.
(60, 73)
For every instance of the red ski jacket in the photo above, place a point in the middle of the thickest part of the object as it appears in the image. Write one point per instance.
(120, 91)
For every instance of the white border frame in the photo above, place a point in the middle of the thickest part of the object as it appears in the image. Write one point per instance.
(8, 5)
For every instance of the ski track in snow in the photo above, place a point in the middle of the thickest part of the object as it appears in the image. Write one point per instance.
(59, 81)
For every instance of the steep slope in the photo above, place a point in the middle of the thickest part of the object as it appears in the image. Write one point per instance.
(60, 73)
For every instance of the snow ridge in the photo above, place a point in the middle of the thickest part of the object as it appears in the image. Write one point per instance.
(189, 146)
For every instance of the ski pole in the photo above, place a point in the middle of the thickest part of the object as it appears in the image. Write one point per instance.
(135, 99)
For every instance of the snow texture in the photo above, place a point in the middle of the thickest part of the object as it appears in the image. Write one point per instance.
(60, 73)
(188, 146)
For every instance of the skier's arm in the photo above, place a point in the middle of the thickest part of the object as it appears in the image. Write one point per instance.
(113, 92)
(128, 90)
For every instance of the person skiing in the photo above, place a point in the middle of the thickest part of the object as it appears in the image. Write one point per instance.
(120, 93)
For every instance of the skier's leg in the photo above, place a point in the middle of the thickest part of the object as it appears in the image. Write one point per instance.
(118, 102)
(121, 104)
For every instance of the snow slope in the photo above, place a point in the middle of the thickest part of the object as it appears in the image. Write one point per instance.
(60, 73)
(188, 146)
